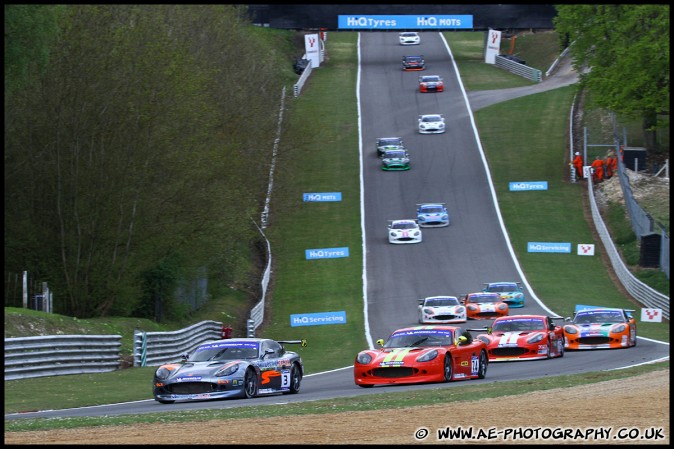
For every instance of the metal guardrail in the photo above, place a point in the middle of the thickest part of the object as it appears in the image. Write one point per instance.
(57, 355)
(519, 69)
(297, 88)
(158, 348)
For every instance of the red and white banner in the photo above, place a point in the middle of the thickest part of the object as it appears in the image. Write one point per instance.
(312, 48)
(493, 46)
(651, 315)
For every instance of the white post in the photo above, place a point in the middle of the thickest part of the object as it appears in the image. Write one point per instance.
(25, 289)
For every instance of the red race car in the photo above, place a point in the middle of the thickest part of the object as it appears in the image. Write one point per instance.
(431, 83)
(485, 305)
(523, 337)
(422, 354)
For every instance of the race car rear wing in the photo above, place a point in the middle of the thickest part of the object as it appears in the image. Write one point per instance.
(293, 342)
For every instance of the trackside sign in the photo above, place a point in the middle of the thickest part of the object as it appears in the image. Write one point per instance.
(349, 22)
(324, 196)
(326, 253)
(528, 185)
(547, 247)
(317, 319)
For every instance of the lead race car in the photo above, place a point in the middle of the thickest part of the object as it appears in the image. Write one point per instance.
(240, 367)
(438, 353)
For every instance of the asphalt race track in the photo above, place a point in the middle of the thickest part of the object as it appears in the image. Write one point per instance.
(453, 260)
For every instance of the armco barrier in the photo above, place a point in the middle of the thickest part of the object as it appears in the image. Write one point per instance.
(519, 69)
(157, 348)
(57, 355)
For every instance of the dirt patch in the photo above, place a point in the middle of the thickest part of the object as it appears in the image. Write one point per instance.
(640, 402)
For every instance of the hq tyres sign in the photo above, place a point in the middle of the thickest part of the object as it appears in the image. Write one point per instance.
(408, 22)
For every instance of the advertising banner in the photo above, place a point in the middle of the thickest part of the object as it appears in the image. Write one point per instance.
(493, 46)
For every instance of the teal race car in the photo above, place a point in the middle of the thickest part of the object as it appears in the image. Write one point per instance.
(511, 293)
(397, 159)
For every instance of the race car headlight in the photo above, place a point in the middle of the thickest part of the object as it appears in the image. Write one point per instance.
(502, 306)
(162, 373)
(460, 309)
(535, 339)
(618, 329)
(570, 330)
(227, 370)
(484, 338)
(472, 307)
(428, 311)
(364, 358)
(445, 217)
(430, 355)
(416, 233)
(421, 218)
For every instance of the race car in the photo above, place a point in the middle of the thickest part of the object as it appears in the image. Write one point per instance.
(431, 124)
(389, 143)
(511, 292)
(441, 310)
(422, 354)
(231, 368)
(409, 38)
(523, 337)
(481, 305)
(431, 83)
(404, 231)
(432, 215)
(600, 328)
(413, 63)
(395, 160)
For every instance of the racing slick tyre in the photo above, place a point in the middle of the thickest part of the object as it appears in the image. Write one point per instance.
(163, 401)
(560, 346)
(448, 369)
(250, 384)
(295, 379)
(484, 362)
(365, 386)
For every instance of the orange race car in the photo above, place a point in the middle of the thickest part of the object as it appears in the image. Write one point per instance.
(421, 354)
(600, 328)
(482, 305)
(523, 337)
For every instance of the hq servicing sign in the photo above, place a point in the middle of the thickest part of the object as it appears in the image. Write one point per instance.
(350, 22)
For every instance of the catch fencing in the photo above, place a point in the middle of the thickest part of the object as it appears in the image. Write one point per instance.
(57, 355)
(643, 293)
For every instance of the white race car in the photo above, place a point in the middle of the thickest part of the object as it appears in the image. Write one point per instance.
(404, 231)
(441, 309)
(431, 124)
(409, 38)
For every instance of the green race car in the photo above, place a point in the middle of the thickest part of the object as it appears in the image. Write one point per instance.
(395, 160)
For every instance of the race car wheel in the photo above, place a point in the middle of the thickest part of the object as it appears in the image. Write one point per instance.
(295, 379)
(163, 401)
(549, 348)
(250, 384)
(560, 346)
(484, 362)
(448, 369)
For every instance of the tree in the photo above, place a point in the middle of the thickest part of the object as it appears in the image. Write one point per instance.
(622, 54)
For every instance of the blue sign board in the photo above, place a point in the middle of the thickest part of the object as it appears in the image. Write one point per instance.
(326, 253)
(325, 196)
(317, 319)
(528, 185)
(354, 22)
(548, 247)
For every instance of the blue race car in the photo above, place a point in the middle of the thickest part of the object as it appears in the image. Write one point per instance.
(432, 215)
(232, 368)
(511, 293)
